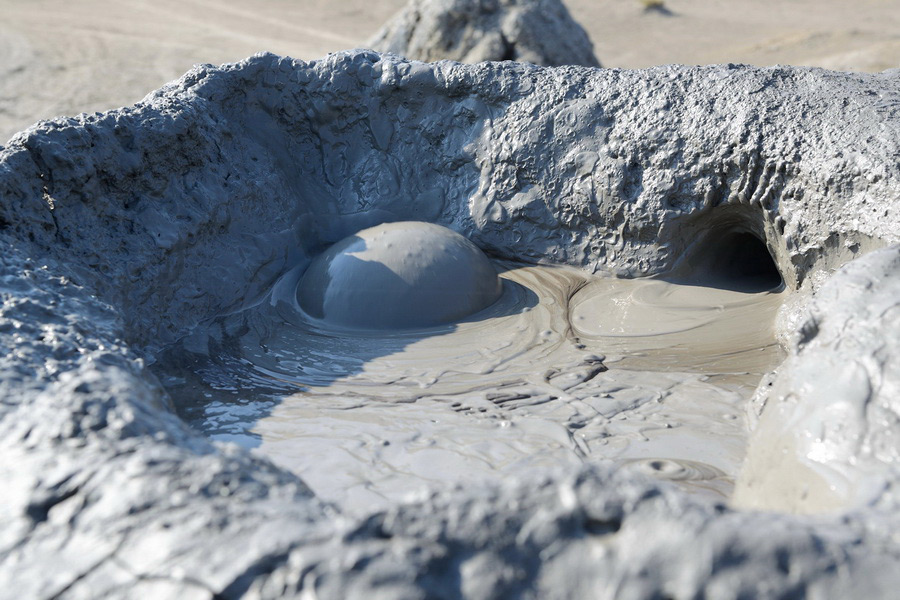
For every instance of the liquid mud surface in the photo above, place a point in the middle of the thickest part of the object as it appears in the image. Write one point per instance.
(565, 368)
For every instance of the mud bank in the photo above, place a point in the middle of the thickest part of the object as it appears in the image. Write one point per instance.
(127, 231)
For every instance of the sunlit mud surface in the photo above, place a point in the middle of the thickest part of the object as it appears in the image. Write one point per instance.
(564, 368)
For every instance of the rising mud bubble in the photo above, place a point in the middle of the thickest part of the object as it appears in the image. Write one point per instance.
(398, 276)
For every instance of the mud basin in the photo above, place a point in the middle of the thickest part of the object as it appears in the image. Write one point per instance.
(672, 201)
(563, 367)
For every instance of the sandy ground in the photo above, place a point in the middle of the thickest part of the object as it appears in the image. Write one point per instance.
(63, 57)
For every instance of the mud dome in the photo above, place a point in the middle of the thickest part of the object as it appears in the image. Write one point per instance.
(541, 32)
(397, 276)
(133, 230)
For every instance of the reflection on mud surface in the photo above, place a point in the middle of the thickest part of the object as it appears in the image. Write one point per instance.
(565, 367)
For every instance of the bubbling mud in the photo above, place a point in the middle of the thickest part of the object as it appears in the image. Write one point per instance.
(399, 275)
(564, 367)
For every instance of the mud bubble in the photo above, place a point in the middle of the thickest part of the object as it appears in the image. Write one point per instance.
(399, 275)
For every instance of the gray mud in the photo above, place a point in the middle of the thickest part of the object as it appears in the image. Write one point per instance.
(372, 416)
(167, 227)
(394, 276)
(541, 32)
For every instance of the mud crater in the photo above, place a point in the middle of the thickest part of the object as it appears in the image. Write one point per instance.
(238, 176)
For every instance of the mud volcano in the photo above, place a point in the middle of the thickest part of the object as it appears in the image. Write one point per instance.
(151, 266)
(541, 32)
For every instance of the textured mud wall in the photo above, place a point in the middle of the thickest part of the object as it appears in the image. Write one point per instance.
(541, 32)
(834, 404)
(123, 230)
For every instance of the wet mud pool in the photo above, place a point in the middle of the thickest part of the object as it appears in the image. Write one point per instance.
(565, 368)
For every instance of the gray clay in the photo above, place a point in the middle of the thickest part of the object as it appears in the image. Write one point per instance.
(399, 275)
(126, 231)
(536, 31)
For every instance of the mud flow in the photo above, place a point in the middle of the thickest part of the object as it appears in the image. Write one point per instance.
(564, 367)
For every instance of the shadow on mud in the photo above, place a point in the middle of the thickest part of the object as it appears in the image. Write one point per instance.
(232, 372)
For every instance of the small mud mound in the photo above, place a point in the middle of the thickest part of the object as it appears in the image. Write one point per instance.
(536, 31)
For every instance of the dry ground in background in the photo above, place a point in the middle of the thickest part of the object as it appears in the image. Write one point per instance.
(62, 57)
